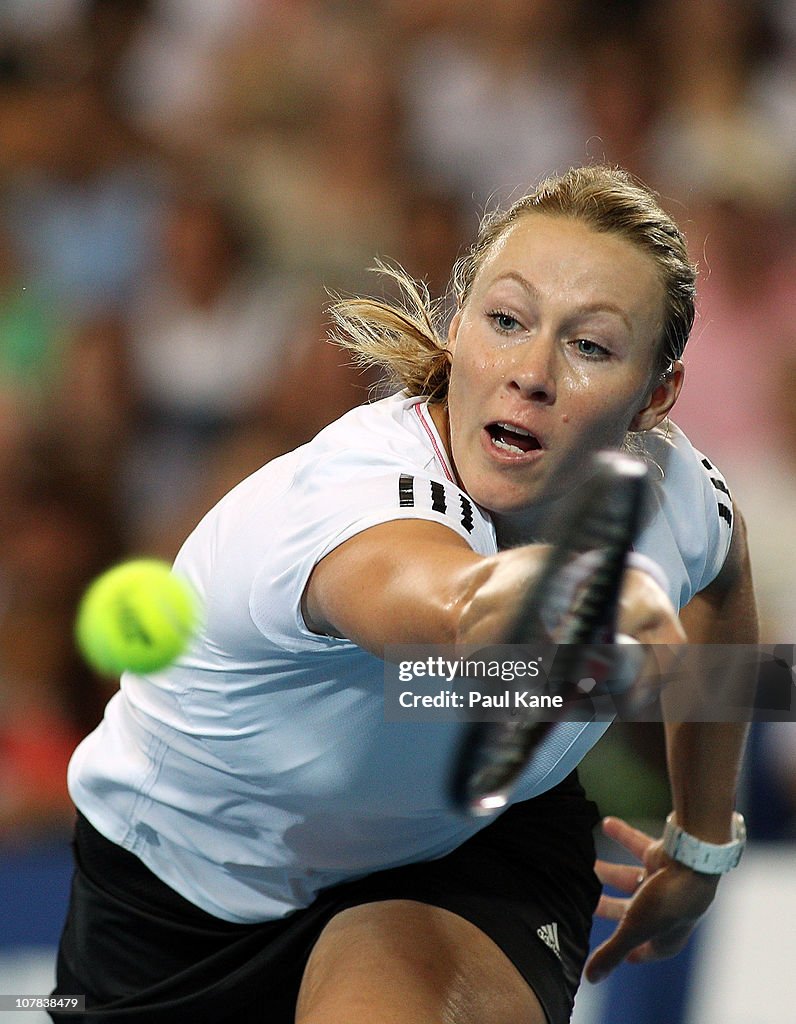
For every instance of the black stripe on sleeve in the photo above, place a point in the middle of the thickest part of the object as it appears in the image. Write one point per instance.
(438, 502)
(725, 513)
(406, 491)
(467, 514)
(720, 486)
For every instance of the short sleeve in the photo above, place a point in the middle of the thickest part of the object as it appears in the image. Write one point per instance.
(719, 517)
(330, 501)
(688, 524)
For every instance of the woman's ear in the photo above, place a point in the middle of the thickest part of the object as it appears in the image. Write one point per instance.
(661, 399)
(453, 331)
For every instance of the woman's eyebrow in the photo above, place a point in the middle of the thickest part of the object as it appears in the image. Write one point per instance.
(514, 275)
(606, 307)
(591, 307)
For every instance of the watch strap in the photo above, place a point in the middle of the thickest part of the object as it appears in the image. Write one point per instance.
(709, 858)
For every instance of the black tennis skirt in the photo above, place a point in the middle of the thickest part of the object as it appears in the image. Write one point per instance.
(141, 952)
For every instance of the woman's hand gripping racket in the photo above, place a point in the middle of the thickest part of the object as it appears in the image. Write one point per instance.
(573, 604)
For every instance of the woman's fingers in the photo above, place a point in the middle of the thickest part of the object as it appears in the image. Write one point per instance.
(656, 917)
(634, 840)
(625, 877)
(612, 908)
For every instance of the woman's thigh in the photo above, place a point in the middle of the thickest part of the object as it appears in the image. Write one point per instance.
(404, 962)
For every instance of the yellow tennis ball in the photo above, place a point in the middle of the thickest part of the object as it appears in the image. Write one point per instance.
(136, 616)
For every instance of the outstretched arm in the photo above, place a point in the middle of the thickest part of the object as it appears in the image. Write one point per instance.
(704, 758)
(412, 581)
(666, 899)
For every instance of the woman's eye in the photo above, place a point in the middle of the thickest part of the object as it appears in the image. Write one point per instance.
(591, 349)
(504, 322)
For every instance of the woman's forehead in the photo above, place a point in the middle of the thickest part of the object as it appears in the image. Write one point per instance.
(535, 232)
(540, 247)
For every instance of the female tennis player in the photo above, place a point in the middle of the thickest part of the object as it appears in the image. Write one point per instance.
(255, 842)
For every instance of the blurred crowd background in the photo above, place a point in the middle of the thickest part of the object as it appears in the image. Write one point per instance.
(183, 181)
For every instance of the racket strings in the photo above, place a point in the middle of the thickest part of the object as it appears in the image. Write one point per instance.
(573, 605)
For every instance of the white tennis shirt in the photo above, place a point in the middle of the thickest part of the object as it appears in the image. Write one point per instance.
(259, 768)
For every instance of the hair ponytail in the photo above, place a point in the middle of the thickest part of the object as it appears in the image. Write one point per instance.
(402, 339)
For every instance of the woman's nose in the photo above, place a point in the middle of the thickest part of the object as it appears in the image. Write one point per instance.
(533, 370)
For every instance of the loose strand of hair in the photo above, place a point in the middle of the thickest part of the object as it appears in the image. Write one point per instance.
(402, 340)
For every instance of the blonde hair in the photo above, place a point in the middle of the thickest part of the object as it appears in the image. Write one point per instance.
(406, 339)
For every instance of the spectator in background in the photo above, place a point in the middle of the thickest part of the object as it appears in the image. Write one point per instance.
(745, 332)
(775, 89)
(716, 147)
(168, 73)
(434, 235)
(30, 328)
(77, 194)
(211, 334)
(55, 535)
(31, 339)
(492, 97)
(60, 376)
(309, 148)
(742, 361)
(82, 195)
(619, 96)
(711, 58)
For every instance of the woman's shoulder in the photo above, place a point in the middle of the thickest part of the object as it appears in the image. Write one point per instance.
(683, 467)
(689, 520)
(393, 433)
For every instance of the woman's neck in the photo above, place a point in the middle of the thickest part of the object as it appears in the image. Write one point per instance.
(528, 526)
(536, 525)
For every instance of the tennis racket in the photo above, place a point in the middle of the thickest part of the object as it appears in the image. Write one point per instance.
(572, 604)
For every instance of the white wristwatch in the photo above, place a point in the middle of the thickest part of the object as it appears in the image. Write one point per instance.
(709, 858)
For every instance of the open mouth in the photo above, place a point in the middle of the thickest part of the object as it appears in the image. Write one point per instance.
(512, 439)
